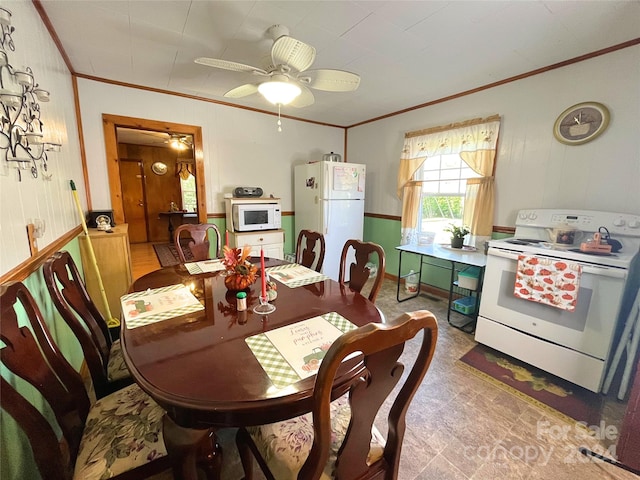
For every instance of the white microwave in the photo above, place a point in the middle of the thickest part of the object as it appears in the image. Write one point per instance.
(256, 216)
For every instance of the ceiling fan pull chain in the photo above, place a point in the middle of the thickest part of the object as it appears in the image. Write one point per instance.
(279, 121)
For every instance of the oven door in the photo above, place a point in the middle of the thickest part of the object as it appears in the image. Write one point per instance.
(588, 329)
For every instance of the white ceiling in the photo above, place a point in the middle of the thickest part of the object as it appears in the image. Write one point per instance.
(407, 52)
(147, 137)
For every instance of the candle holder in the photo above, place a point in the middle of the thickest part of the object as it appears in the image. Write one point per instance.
(265, 307)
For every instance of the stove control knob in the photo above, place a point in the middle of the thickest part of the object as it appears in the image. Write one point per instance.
(523, 215)
(532, 216)
(634, 224)
(619, 222)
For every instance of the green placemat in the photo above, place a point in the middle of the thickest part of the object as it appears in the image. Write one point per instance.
(294, 275)
(272, 361)
(185, 303)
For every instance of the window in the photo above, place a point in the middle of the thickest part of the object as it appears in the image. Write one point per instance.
(447, 175)
(189, 198)
(444, 182)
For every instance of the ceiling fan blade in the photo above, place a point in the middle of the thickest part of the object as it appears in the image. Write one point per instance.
(331, 80)
(227, 65)
(242, 91)
(294, 53)
(305, 98)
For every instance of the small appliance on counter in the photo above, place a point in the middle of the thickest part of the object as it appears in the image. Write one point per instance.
(247, 192)
(564, 235)
(105, 217)
(252, 214)
(331, 157)
(595, 245)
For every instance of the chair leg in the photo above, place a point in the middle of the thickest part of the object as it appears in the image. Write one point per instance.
(246, 457)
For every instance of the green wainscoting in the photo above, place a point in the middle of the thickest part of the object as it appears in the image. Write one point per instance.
(16, 460)
(386, 233)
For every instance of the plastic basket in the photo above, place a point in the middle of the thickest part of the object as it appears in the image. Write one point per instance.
(468, 278)
(466, 305)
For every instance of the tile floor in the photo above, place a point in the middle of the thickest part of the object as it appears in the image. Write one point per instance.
(462, 427)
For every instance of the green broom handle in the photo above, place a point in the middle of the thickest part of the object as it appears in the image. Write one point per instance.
(111, 322)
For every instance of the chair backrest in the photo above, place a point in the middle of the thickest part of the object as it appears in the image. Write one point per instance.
(359, 271)
(199, 240)
(70, 296)
(39, 362)
(306, 254)
(381, 345)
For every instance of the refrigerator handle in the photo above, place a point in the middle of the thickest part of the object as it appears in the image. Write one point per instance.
(326, 214)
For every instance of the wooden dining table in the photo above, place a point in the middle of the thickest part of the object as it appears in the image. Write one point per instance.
(200, 369)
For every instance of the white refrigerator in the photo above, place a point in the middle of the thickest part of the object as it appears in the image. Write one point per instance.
(329, 198)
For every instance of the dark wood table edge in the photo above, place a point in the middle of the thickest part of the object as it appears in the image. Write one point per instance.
(191, 444)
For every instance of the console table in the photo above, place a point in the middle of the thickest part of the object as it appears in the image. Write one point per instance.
(457, 259)
(181, 214)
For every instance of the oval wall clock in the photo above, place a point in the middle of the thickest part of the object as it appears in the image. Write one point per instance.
(159, 168)
(581, 123)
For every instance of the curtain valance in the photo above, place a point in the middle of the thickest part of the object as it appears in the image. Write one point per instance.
(469, 136)
(476, 142)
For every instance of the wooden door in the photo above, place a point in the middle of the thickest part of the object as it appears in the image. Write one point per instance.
(133, 199)
(161, 191)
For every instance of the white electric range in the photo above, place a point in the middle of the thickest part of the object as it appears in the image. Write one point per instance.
(574, 345)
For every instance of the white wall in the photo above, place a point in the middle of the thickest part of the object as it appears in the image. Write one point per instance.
(244, 148)
(241, 147)
(533, 169)
(37, 198)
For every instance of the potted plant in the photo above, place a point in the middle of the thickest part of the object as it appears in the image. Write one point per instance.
(457, 234)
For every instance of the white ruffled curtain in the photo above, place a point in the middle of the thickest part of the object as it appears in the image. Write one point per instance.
(475, 141)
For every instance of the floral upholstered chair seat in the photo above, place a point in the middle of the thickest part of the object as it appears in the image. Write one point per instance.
(123, 431)
(116, 368)
(285, 445)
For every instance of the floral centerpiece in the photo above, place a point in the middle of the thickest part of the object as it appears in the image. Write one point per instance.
(240, 271)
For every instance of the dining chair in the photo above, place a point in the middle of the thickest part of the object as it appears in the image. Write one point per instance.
(359, 271)
(120, 435)
(339, 439)
(197, 238)
(306, 255)
(69, 294)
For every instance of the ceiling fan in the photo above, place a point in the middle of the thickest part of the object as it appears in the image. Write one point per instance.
(179, 142)
(287, 80)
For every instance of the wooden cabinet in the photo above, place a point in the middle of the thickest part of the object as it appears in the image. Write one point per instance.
(114, 262)
(271, 241)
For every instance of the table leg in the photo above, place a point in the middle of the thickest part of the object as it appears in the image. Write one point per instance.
(189, 449)
(171, 229)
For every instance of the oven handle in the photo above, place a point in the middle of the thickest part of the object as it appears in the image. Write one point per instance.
(591, 269)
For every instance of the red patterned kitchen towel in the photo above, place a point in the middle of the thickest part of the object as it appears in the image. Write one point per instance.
(548, 281)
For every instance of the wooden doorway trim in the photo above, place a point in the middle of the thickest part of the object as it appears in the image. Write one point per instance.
(109, 125)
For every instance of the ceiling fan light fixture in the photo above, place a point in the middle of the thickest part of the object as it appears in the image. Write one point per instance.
(279, 92)
(178, 142)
